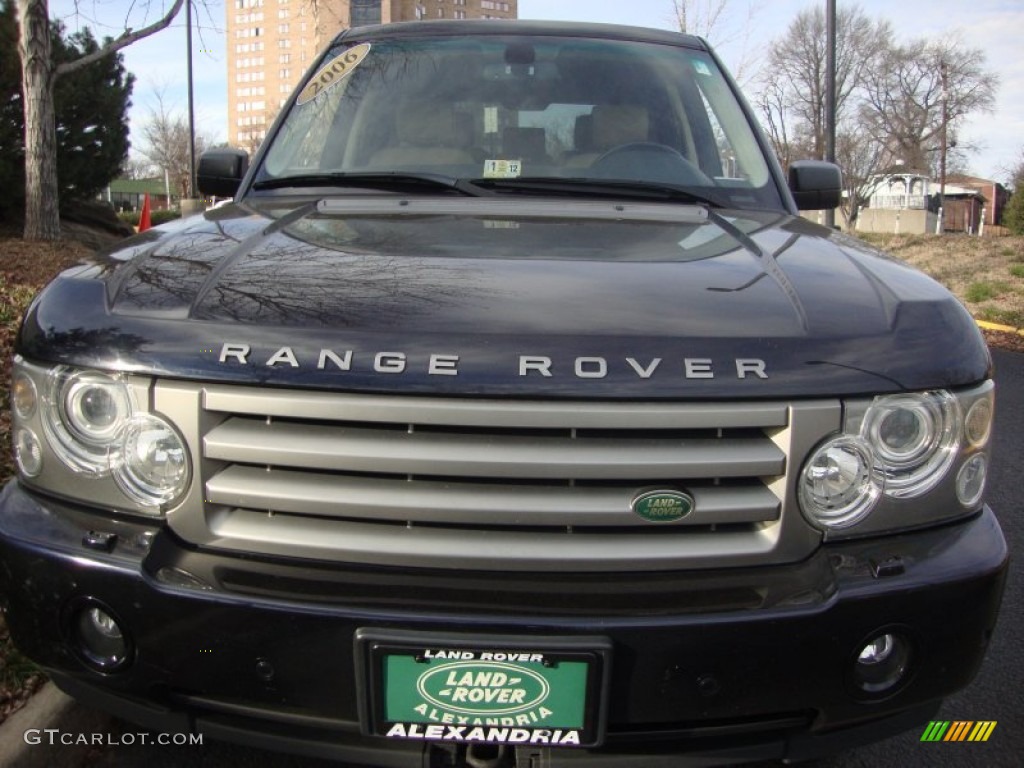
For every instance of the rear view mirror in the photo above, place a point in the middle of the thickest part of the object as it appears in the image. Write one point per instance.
(815, 184)
(221, 171)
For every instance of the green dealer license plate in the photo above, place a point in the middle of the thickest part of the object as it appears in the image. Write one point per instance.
(491, 690)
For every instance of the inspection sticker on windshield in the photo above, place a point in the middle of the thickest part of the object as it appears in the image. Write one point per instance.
(503, 169)
(503, 694)
(700, 67)
(333, 72)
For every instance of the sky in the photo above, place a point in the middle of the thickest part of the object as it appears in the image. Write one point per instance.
(995, 26)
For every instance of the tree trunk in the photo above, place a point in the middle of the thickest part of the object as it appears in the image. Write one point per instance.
(42, 212)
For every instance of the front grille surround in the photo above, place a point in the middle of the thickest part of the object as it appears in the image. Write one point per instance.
(491, 484)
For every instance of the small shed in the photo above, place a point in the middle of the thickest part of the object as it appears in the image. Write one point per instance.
(127, 194)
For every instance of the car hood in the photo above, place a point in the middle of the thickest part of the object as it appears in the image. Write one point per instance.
(499, 297)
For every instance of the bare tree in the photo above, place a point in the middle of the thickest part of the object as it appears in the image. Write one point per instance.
(138, 168)
(862, 157)
(719, 23)
(165, 143)
(905, 93)
(39, 72)
(793, 82)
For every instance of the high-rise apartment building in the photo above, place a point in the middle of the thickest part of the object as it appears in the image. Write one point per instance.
(271, 43)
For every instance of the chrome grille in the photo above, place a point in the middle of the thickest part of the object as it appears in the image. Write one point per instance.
(493, 485)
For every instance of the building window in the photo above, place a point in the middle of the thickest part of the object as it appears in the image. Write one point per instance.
(365, 12)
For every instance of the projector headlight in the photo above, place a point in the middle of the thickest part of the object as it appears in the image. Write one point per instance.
(83, 418)
(915, 438)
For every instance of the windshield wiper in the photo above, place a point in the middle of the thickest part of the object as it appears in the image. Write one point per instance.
(390, 181)
(576, 186)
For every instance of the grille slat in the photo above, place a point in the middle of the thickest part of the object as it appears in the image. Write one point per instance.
(505, 414)
(354, 449)
(471, 504)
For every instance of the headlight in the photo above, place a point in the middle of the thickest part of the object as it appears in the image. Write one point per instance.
(900, 462)
(88, 435)
(915, 438)
(23, 395)
(839, 484)
(85, 413)
(153, 469)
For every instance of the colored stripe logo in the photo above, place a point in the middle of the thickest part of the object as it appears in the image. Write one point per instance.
(958, 730)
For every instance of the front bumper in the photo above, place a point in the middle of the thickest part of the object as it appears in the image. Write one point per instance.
(721, 665)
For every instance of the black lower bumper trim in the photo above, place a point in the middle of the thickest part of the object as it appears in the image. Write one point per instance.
(768, 679)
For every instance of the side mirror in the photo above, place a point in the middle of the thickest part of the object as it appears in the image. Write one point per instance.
(815, 184)
(221, 170)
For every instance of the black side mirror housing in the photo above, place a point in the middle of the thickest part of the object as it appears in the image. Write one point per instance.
(221, 171)
(815, 184)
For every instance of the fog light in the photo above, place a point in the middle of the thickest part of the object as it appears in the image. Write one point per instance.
(100, 639)
(881, 663)
(970, 480)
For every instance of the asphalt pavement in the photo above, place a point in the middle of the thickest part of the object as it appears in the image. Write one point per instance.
(996, 694)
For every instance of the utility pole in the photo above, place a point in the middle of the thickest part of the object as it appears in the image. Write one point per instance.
(943, 76)
(191, 110)
(830, 97)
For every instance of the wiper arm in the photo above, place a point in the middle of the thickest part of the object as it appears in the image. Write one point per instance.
(604, 188)
(384, 180)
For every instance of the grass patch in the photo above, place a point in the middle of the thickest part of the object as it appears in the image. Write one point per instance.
(14, 299)
(979, 292)
(1017, 270)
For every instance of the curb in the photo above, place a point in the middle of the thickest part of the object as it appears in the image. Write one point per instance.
(49, 708)
(1001, 328)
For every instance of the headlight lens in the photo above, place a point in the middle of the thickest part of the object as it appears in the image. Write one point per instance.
(915, 438)
(94, 407)
(28, 452)
(978, 422)
(85, 413)
(970, 480)
(154, 466)
(23, 396)
(839, 484)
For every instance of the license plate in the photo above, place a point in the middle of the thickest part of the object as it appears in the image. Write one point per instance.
(498, 690)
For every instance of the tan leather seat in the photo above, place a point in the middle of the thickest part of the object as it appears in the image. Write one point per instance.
(428, 134)
(610, 126)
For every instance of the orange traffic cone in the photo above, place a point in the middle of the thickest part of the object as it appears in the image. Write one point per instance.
(144, 220)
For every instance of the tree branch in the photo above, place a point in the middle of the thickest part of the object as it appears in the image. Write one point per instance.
(123, 41)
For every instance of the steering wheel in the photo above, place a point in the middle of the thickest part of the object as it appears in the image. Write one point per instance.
(649, 161)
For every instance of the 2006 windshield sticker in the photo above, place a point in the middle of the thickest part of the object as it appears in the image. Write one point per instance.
(333, 72)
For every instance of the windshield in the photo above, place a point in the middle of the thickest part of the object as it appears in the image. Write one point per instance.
(514, 108)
